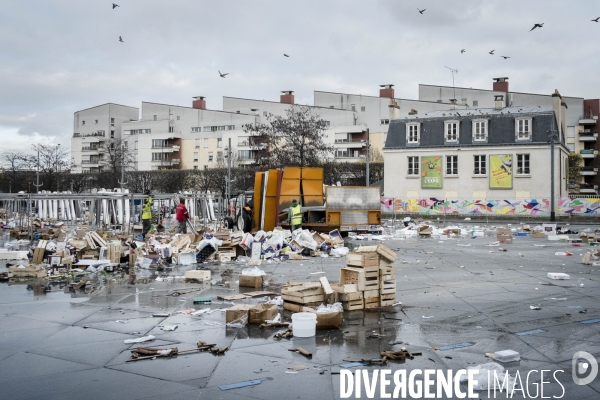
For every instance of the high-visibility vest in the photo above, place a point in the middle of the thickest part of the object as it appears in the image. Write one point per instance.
(296, 214)
(147, 210)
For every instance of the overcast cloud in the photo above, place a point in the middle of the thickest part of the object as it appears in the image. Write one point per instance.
(60, 56)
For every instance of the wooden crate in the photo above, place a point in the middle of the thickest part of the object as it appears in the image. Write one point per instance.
(387, 287)
(387, 299)
(371, 283)
(362, 259)
(355, 276)
(303, 293)
(372, 302)
(382, 251)
(352, 305)
(39, 251)
(297, 307)
(386, 274)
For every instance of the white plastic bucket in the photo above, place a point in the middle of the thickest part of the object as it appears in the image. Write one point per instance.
(304, 324)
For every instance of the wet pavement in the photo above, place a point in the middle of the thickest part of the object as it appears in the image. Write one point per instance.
(62, 345)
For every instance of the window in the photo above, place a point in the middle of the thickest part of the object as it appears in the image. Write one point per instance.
(159, 143)
(219, 155)
(112, 122)
(413, 166)
(243, 141)
(100, 133)
(210, 156)
(362, 108)
(327, 123)
(412, 133)
(475, 103)
(479, 130)
(197, 143)
(571, 147)
(464, 101)
(330, 106)
(385, 122)
(82, 122)
(96, 122)
(451, 130)
(197, 129)
(195, 167)
(219, 143)
(126, 144)
(230, 127)
(523, 128)
(479, 165)
(195, 156)
(205, 143)
(451, 165)
(341, 153)
(220, 128)
(139, 131)
(353, 107)
(178, 118)
(158, 156)
(155, 117)
(112, 134)
(265, 113)
(522, 164)
(244, 155)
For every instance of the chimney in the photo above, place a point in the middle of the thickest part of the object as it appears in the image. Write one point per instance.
(199, 102)
(499, 102)
(386, 91)
(413, 112)
(501, 84)
(394, 109)
(453, 104)
(287, 97)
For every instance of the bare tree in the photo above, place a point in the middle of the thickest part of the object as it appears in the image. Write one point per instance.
(13, 164)
(296, 139)
(115, 154)
(52, 161)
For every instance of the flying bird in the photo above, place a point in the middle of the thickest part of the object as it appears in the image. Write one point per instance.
(492, 52)
(596, 20)
(285, 55)
(121, 39)
(462, 51)
(223, 75)
(536, 26)
(505, 57)
(115, 6)
(421, 11)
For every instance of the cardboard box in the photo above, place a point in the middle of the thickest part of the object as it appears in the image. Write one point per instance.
(251, 281)
(362, 259)
(504, 236)
(199, 275)
(538, 234)
(424, 231)
(262, 312)
(236, 312)
(329, 320)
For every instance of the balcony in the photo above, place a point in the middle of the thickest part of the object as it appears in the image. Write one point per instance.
(589, 171)
(588, 136)
(589, 153)
(593, 189)
(351, 143)
(167, 149)
(90, 149)
(588, 120)
(90, 163)
(166, 163)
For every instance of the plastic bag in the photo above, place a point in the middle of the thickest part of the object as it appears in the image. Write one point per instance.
(335, 307)
(253, 272)
(340, 252)
(239, 323)
(214, 242)
(276, 300)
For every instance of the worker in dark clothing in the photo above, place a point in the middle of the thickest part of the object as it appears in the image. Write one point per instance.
(146, 214)
(295, 215)
(182, 216)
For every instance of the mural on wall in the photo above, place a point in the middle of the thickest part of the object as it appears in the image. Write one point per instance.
(533, 207)
(431, 172)
(501, 171)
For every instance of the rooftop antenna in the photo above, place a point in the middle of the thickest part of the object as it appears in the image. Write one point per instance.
(454, 71)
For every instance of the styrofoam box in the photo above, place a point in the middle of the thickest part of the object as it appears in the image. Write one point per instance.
(507, 356)
(558, 275)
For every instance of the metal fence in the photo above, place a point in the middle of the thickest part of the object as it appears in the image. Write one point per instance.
(564, 206)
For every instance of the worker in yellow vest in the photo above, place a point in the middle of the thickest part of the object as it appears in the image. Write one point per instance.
(295, 215)
(146, 214)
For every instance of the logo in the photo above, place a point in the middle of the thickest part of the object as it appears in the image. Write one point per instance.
(581, 367)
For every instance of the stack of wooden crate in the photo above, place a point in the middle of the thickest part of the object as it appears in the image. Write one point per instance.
(296, 296)
(387, 273)
(363, 270)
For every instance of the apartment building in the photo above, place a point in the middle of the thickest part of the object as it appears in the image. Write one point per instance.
(478, 153)
(91, 128)
(581, 123)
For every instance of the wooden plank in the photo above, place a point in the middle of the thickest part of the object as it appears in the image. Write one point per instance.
(325, 284)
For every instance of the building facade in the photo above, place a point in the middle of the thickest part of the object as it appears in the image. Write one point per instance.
(479, 153)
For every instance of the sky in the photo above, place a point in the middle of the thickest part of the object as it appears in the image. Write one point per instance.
(61, 56)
